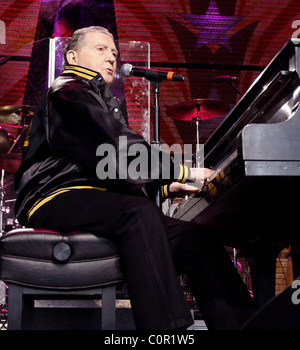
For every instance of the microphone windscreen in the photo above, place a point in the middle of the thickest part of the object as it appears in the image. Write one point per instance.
(126, 70)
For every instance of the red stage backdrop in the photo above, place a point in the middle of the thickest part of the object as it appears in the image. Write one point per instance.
(200, 39)
(20, 20)
(203, 39)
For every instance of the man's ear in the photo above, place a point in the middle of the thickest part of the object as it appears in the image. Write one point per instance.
(72, 57)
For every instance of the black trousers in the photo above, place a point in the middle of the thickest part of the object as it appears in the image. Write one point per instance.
(154, 250)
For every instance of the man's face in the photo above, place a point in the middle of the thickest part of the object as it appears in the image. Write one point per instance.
(97, 52)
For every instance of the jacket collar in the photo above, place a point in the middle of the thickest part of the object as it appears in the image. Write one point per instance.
(81, 71)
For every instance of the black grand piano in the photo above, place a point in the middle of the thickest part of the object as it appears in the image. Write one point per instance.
(251, 201)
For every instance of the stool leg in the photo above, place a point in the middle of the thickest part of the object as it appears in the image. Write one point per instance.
(109, 308)
(15, 307)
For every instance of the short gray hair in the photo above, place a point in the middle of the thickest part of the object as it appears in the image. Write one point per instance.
(77, 38)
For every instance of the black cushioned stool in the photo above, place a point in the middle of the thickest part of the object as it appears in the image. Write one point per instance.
(44, 264)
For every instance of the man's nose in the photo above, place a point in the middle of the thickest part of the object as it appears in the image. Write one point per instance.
(110, 56)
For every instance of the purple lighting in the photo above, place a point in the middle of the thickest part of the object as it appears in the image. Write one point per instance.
(213, 27)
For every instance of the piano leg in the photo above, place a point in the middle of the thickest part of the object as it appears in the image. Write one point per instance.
(262, 265)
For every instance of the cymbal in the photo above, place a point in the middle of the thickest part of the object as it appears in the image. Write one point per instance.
(16, 109)
(13, 115)
(198, 108)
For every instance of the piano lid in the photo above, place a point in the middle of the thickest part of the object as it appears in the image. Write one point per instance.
(285, 69)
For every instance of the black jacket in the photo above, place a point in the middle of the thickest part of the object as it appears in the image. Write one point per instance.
(76, 115)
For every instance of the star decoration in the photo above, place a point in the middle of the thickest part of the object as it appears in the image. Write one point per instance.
(213, 27)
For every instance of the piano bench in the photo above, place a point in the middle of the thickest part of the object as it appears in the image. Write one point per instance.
(44, 264)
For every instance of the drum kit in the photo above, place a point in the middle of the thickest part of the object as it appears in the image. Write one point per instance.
(14, 122)
(197, 110)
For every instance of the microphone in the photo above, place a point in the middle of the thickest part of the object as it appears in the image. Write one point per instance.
(153, 75)
(224, 78)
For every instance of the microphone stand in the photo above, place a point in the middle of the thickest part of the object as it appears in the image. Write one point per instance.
(156, 141)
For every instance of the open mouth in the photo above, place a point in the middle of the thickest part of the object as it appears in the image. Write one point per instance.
(109, 71)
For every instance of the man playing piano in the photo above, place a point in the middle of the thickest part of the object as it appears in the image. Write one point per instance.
(58, 189)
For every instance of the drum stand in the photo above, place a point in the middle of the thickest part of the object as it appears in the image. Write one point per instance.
(3, 209)
(156, 141)
(199, 162)
(197, 120)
